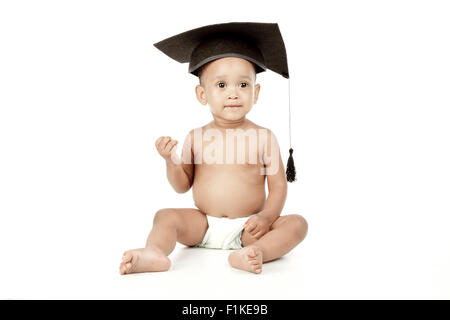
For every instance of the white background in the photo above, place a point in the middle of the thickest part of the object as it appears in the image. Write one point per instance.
(84, 95)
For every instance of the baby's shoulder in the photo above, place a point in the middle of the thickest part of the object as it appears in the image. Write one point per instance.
(196, 131)
(262, 129)
(255, 126)
(196, 134)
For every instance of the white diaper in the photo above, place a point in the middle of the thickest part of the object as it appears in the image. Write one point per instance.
(224, 233)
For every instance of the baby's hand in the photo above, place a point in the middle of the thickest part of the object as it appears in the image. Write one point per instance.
(166, 146)
(257, 226)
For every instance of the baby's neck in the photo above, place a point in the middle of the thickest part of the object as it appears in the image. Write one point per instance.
(226, 124)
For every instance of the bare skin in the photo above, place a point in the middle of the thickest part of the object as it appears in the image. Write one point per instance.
(241, 185)
(222, 190)
(248, 259)
(187, 226)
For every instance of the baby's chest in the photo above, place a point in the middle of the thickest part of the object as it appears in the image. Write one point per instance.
(228, 152)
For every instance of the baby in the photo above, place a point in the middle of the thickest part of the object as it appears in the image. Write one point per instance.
(232, 211)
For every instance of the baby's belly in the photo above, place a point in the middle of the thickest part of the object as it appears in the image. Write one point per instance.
(229, 193)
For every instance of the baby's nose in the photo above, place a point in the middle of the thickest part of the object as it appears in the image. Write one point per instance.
(232, 92)
(232, 95)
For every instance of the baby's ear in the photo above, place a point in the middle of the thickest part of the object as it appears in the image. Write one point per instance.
(256, 93)
(201, 94)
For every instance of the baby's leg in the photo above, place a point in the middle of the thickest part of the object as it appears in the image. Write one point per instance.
(284, 234)
(187, 226)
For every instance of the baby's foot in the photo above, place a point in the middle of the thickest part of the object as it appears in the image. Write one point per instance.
(248, 258)
(144, 260)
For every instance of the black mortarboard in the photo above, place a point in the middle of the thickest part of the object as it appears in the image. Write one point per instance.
(259, 43)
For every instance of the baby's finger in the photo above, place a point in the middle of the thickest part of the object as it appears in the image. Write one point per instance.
(170, 145)
(250, 227)
(259, 234)
(254, 231)
(173, 149)
(158, 142)
(163, 143)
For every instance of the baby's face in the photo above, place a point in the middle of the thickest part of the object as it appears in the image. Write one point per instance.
(228, 82)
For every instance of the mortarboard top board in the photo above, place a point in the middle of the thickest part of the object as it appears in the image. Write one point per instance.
(259, 43)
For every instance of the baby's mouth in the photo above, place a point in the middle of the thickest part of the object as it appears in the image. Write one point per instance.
(233, 106)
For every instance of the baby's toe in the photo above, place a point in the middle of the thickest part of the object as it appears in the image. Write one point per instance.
(128, 266)
(122, 268)
(251, 252)
(127, 256)
(127, 262)
(256, 267)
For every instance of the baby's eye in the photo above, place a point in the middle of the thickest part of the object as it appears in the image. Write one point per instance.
(245, 85)
(221, 85)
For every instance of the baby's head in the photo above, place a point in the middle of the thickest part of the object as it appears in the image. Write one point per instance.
(228, 81)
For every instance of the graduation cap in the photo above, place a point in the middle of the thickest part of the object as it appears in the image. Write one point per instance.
(259, 43)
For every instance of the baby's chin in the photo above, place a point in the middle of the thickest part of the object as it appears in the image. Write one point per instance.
(233, 114)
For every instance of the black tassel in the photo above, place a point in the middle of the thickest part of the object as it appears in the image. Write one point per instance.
(290, 168)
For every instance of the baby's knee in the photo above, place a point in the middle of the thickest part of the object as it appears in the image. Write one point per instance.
(166, 216)
(299, 225)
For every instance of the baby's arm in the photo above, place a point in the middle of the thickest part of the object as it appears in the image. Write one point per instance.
(179, 172)
(276, 181)
(260, 224)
